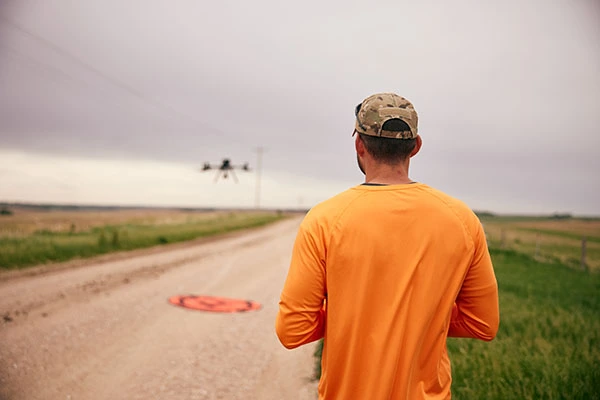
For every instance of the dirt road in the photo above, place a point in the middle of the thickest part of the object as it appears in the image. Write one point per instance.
(104, 330)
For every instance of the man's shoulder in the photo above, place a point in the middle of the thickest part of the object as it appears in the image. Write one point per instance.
(451, 201)
(456, 206)
(331, 208)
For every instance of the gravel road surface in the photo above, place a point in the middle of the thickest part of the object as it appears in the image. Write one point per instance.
(103, 328)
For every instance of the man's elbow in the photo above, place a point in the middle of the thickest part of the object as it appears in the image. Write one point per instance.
(488, 337)
(292, 335)
(489, 332)
(288, 344)
(285, 338)
(480, 329)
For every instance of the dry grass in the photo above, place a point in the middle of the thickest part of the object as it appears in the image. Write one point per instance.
(25, 222)
(31, 237)
(588, 227)
(547, 239)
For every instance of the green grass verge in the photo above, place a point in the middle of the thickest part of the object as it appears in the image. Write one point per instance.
(548, 344)
(43, 246)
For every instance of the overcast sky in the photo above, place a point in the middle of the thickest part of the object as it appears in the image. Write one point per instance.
(121, 101)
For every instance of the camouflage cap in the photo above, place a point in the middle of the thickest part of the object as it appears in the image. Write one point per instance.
(376, 109)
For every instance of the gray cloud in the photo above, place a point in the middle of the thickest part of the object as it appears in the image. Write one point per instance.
(508, 94)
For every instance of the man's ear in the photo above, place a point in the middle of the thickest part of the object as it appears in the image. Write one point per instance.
(417, 147)
(359, 146)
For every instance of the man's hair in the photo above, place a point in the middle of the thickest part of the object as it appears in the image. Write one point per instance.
(389, 150)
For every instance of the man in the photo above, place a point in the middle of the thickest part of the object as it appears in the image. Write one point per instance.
(386, 270)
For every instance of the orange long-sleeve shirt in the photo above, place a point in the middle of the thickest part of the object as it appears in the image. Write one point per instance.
(385, 274)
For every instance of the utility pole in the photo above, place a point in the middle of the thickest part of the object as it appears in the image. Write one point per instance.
(259, 153)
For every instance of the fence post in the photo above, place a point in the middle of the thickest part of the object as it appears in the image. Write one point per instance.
(537, 245)
(583, 246)
(502, 238)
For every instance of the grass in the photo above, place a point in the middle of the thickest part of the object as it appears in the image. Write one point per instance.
(548, 344)
(35, 238)
(548, 240)
(569, 235)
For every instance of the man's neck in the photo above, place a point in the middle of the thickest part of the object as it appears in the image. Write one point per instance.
(388, 174)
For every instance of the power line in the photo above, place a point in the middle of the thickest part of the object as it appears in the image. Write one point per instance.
(112, 80)
(42, 66)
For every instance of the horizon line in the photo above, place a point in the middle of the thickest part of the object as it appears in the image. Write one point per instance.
(480, 213)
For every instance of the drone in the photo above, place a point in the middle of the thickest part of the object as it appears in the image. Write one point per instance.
(225, 169)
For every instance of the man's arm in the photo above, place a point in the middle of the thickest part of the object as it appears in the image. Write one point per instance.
(476, 312)
(301, 317)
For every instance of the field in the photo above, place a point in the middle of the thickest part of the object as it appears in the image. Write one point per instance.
(35, 236)
(548, 344)
(548, 240)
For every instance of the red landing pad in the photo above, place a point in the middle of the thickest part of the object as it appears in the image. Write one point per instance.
(214, 304)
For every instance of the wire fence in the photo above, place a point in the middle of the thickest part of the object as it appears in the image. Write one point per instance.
(568, 248)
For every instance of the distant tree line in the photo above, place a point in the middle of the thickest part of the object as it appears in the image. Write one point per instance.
(5, 211)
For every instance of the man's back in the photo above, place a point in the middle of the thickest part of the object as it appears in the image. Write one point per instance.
(392, 261)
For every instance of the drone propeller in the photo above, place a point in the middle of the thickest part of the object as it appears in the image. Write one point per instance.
(225, 169)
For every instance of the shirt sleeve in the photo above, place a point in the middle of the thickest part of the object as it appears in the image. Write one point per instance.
(475, 313)
(301, 316)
